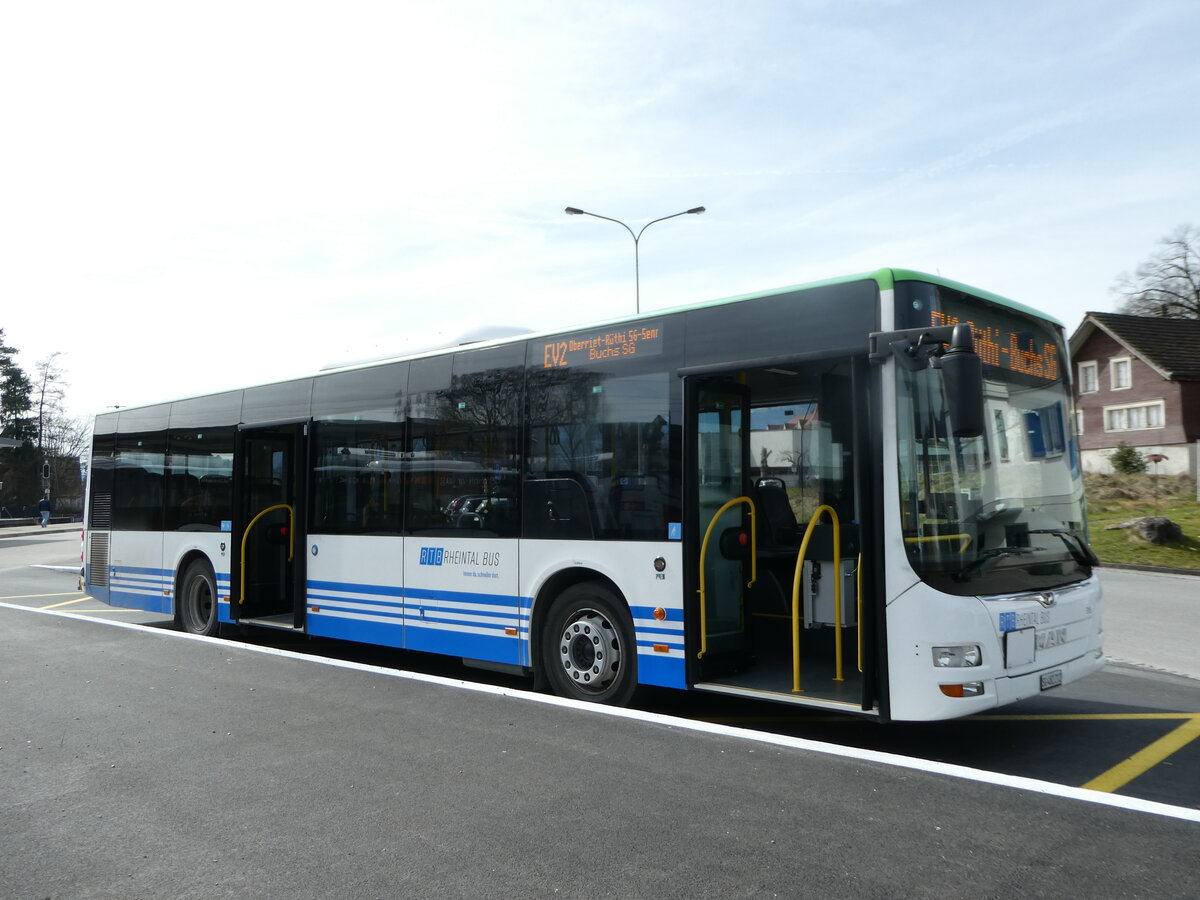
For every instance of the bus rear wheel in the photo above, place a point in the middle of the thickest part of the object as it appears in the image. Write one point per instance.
(588, 648)
(198, 599)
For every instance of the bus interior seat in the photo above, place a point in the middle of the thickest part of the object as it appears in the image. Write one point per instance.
(559, 507)
(781, 532)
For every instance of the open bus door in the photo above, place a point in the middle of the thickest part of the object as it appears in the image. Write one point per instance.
(776, 496)
(268, 570)
(719, 423)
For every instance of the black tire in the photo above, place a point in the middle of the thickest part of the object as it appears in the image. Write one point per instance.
(588, 647)
(197, 599)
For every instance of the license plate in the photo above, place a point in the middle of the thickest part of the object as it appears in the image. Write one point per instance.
(1051, 679)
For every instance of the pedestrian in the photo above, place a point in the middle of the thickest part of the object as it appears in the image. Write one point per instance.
(44, 510)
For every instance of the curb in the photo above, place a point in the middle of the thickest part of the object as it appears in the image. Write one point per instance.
(1158, 569)
(26, 530)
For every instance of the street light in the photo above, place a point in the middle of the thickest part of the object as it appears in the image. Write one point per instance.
(695, 211)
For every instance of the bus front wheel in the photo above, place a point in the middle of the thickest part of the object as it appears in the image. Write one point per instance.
(588, 648)
(198, 599)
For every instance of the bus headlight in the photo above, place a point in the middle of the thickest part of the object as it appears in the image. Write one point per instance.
(962, 656)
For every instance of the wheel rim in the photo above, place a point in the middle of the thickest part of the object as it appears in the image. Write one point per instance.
(589, 651)
(197, 603)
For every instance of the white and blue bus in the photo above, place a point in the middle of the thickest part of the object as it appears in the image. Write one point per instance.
(860, 495)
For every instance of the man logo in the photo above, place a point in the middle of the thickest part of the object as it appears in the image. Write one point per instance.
(432, 556)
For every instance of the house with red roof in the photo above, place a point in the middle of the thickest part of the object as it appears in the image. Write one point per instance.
(1137, 380)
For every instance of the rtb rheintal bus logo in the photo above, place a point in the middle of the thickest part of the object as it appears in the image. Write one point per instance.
(432, 556)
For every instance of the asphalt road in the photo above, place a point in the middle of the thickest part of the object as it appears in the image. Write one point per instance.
(143, 763)
(1151, 619)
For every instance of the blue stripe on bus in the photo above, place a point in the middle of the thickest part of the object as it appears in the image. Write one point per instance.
(507, 600)
(331, 625)
(355, 588)
(148, 602)
(441, 630)
(661, 670)
(495, 648)
(139, 570)
(398, 603)
(436, 621)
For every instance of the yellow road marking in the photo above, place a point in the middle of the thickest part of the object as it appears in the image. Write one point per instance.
(35, 596)
(1114, 779)
(121, 609)
(1080, 717)
(66, 603)
(1063, 717)
(1147, 758)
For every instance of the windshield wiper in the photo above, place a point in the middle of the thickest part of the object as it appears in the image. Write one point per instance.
(987, 559)
(1076, 546)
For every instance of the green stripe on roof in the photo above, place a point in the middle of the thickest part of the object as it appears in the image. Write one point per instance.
(886, 280)
(910, 275)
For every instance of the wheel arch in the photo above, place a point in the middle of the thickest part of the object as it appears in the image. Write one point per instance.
(544, 598)
(181, 566)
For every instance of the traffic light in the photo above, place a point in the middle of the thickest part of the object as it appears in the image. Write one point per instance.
(45, 470)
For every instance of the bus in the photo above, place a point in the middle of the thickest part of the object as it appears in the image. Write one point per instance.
(860, 495)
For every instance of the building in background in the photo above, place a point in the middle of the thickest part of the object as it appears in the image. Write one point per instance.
(1137, 380)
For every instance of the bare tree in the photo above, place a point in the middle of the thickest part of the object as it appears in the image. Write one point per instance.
(49, 393)
(1168, 283)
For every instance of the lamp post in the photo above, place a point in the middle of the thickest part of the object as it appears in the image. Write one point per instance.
(637, 286)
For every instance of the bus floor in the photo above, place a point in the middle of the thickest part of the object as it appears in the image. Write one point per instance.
(771, 671)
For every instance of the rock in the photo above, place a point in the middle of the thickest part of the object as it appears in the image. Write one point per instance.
(1155, 529)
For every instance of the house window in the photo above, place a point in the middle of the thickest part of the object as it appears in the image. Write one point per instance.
(1134, 416)
(1079, 421)
(1044, 428)
(1088, 380)
(1001, 434)
(1118, 371)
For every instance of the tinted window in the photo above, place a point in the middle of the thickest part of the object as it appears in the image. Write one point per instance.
(831, 319)
(199, 479)
(138, 481)
(358, 451)
(464, 443)
(599, 451)
(203, 412)
(138, 468)
(288, 401)
(100, 475)
(376, 394)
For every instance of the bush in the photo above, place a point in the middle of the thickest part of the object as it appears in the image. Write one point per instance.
(1127, 461)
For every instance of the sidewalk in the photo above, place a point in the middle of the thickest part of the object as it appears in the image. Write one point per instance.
(18, 530)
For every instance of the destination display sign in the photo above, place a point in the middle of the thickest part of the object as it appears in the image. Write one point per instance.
(645, 339)
(1020, 351)
(1006, 338)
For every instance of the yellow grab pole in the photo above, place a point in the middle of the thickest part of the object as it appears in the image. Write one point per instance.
(858, 616)
(246, 535)
(837, 594)
(704, 551)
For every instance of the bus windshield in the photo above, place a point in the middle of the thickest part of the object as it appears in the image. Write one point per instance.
(1002, 512)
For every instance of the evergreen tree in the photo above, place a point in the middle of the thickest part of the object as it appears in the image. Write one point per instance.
(16, 392)
(1127, 461)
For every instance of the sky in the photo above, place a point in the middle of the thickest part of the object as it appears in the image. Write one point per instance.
(198, 196)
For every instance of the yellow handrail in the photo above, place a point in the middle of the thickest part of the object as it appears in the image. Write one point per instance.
(704, 551)
(246, 535)
(858, 617)
(837, 595)
(965, 538)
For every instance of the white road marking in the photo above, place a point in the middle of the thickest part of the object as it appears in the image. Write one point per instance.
(1133, 804)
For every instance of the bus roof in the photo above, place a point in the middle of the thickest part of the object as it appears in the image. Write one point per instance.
(885, 278)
